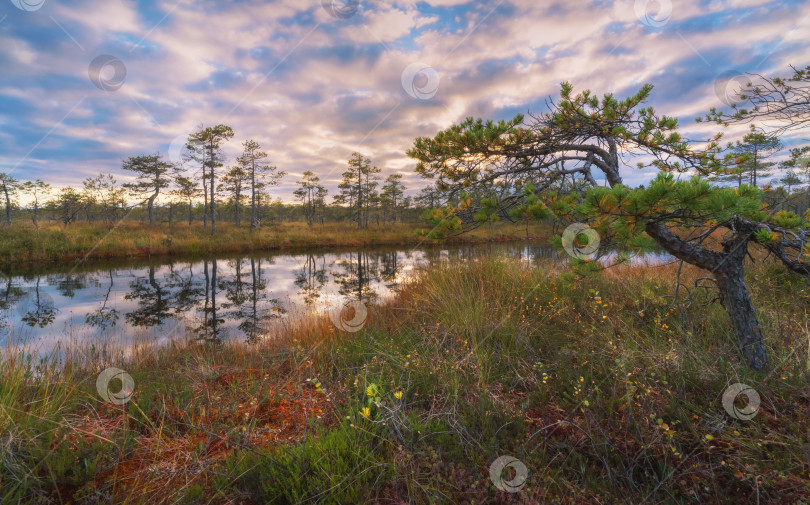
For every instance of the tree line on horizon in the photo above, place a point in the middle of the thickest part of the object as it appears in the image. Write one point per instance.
(209, 190)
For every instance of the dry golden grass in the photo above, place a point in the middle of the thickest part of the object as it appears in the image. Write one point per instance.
(21, 247)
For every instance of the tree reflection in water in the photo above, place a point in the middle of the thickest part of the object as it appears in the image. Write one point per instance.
(104, 317)
(154, 301)
(214, 299)
(311, 278)
(248, 301)
(355, 279)
(36, 308)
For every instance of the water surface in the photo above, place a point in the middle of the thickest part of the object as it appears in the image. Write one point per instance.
(229, 297)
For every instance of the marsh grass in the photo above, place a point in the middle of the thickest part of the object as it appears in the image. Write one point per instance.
(21, 246)
(607, 388)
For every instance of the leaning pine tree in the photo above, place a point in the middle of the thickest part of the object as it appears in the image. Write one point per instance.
(152, 175)
(700, 224)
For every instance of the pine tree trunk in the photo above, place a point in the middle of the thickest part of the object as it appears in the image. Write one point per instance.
(151, 205)
(8, 206)
(253, 198)
(205, 195)
(213, 207)
(737, 302)
(729, 273)
(359, 199)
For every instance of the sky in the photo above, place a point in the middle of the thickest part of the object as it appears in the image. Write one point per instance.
(85, 84)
